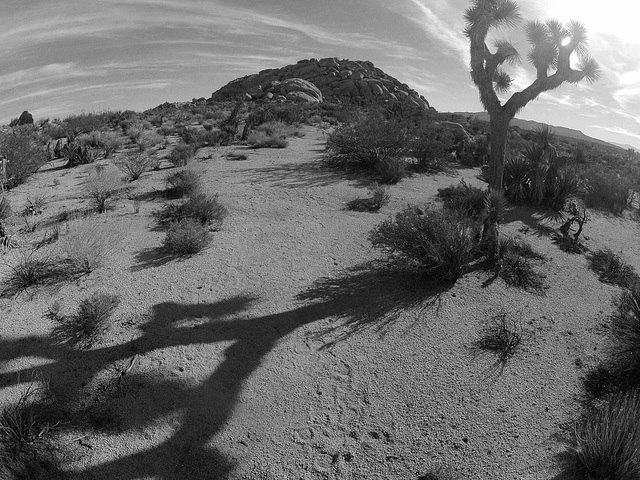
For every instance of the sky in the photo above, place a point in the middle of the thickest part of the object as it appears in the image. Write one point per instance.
(69, 56)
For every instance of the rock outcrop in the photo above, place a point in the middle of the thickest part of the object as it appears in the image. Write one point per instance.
(314, 80)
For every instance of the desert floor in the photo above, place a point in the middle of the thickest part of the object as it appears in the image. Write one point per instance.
(286, 351)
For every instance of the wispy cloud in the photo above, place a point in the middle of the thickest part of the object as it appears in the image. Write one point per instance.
(447, 33)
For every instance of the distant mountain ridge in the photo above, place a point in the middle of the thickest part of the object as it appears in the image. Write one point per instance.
(560, 131)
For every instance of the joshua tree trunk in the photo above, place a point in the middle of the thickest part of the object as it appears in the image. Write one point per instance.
(499, 131)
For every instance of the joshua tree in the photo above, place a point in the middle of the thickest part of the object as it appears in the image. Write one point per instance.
(552, 47)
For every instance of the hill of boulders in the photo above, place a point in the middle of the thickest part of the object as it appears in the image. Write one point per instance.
(317, 80)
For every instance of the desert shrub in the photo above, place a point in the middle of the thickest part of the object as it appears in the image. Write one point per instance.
(134, 132)
(5, 207)
(611, 268)
(100, 186)
(391, 170)
(186, 237)
(25, 431)
(134, 165)
(75, 125)
(110, 142)
(182, 154)
(88, 324)
(204, 208)
(364, 143)
(606, 190)
(76, 154)
(608, 440)
(517, 271)
(87, 242)
(436, 244)
(431, 148)
(183, 182)
(379, 197)
(25, 155)
(149, 139)
(92, 139)
(500, 336)
(463, 198)
(261, 139)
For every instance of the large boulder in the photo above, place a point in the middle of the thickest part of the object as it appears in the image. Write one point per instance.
(325, 79)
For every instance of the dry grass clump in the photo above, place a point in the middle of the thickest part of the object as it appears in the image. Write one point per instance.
(611, 268)
(25, 430)
(517, 271)
(500, 336)
(88, 324)
(434, 244)
(608, 441)
(101, 186)
(379, 197)
(204, 208)
(186, 237)
(86, 244)
(134, 165)
(32, 268)
(261, 139)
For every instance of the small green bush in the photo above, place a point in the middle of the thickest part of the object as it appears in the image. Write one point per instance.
(183, 182)
(204, 208)
(186, 237)
(88, 325)
(436, 244)
(463, 198)
(611, 268)
(391, 170)
(182, 154)
(608, 441)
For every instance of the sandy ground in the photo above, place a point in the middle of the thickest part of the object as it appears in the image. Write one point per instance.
(283, 352)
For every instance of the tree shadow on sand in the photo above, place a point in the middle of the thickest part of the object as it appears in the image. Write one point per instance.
(361, 298)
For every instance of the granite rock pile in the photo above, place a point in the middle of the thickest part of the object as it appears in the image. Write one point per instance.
(314, 80)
